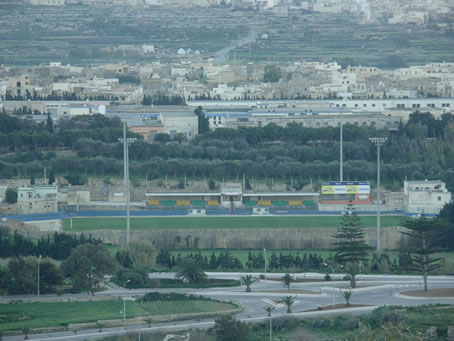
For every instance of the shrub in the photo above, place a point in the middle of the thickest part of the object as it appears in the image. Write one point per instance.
(327, 277)
(154, 283)
(352, 323)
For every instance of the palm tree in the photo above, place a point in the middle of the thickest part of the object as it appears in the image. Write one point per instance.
(288, 301)
(190, 272)
(347, 295)
(269, 309)
(248, 280)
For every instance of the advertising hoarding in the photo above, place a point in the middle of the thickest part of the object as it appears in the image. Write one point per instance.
(346, 187)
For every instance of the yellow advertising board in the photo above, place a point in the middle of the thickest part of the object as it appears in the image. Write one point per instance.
(327, 189)
(351, 189)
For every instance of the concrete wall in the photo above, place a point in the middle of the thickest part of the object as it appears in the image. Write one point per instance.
(303, 238)
(54, 225)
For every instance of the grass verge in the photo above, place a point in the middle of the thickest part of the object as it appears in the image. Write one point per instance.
(39, 315)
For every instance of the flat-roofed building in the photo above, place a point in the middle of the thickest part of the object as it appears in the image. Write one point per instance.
(426, 196)
(311, 118)
(37, 199)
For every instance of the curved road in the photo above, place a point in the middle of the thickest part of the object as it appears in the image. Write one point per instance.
(385, 292)
(221, 55)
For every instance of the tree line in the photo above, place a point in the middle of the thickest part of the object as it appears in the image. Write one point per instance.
(421, 148)
(57, 247)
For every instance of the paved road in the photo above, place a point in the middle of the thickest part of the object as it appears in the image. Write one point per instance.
(386, 291)
(221, 55)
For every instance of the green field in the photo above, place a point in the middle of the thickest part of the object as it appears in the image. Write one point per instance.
(156, 223)
(37, 315)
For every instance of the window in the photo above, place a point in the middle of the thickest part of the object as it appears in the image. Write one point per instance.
(439, 198)
(364, 105)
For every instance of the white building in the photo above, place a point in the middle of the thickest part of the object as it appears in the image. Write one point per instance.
(37, 199)
(425, 196)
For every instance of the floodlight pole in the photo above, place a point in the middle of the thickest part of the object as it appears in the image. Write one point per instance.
(39, 258)
(378, 141)
(126, 142)
(341, 157)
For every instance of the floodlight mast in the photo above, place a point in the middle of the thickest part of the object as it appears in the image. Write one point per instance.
(126, 142)
(378, 141)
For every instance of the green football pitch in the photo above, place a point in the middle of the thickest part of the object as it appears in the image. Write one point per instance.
(156, 223)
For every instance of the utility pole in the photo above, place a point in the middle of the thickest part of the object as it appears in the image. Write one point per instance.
(378, 141)
(126, 143)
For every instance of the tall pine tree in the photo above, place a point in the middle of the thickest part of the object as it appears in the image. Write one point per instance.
(351, 246)
(425, 231)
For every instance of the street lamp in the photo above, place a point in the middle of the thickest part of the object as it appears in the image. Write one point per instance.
(39, 258)
(378, 141)
(333, 269)
(126, 143)
(124, 284)
(269, 309)
(264, 250)
(124, 309)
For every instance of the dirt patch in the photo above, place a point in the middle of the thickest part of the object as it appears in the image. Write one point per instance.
(442, 292)
(339, 306)
(292, 291)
